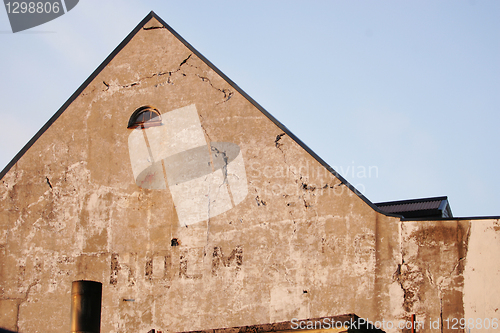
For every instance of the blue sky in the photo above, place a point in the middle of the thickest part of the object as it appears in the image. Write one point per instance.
(410, 89)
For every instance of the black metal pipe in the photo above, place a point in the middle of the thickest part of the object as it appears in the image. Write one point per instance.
(86, 306)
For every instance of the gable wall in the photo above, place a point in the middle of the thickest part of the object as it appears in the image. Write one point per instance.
(299, 245)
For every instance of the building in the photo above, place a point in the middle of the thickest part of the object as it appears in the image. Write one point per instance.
(198, 210)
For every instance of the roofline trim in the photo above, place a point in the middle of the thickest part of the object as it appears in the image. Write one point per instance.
(410, 201)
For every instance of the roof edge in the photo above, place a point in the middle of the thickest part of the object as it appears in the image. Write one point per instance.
(407, 201)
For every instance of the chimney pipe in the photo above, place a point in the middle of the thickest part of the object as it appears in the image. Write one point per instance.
(86, 306)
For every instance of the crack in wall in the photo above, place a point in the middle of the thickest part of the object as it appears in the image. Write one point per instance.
(298, 178)
(227, 93)
(456, 266)
(48, 182)
(260, 202)
(22, 300)
(306, 187)
(139, 81)
(132, 84)
(224, 173)
(154, 28)
(441, 310)
(225, 159)
(466, 242)
(305, 203)
(398, 276)
(277, 143)
(429, 276)
(185, 61)
(205, 130)
(208, 217)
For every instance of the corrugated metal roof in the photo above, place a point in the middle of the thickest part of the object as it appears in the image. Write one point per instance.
(411, 206)
(435, 207)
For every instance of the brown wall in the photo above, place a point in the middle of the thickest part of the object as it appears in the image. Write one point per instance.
(299, 243)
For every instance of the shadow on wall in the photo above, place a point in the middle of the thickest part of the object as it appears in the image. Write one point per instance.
(5, 331)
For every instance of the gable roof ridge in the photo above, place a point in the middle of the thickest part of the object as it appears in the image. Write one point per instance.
(110, 57)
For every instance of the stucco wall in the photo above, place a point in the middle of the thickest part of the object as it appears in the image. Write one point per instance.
(481, 275)
(290, 241)
(449, 274)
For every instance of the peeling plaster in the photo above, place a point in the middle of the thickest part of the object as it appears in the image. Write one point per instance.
(482, 271)
(72, 210)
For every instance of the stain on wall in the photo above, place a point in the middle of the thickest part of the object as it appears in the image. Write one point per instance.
(204, 179)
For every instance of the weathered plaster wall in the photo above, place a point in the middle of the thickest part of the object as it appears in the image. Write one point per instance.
(482, 274)
(299, 245)
(449, 273)
(71, 210)
(431, 273)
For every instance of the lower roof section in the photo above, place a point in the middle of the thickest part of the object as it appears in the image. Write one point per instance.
(435, 207)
